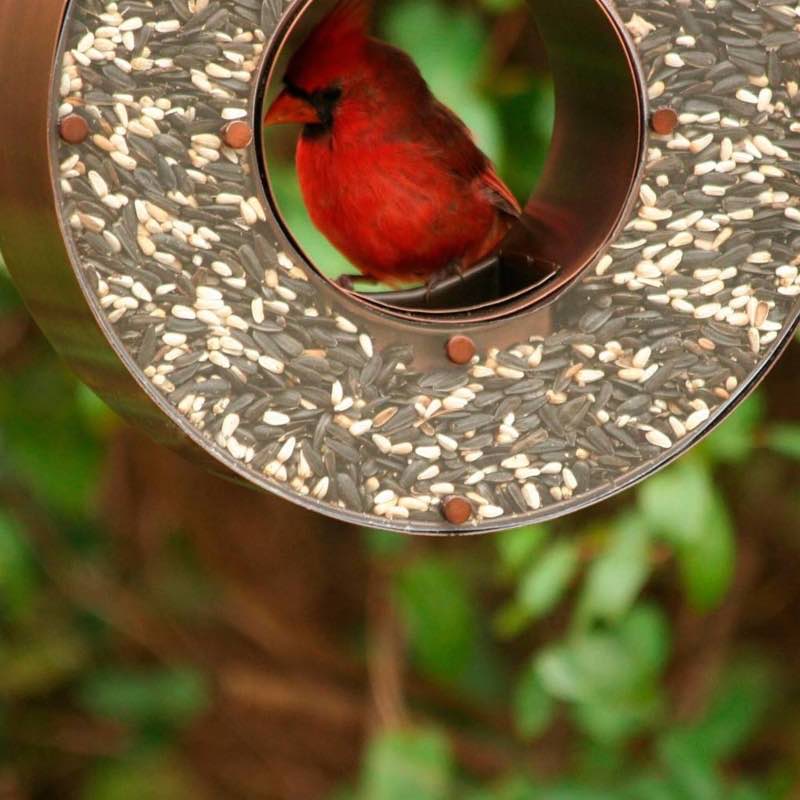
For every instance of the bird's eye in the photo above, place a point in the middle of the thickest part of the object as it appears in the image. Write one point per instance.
(325, 100)
(332, 94)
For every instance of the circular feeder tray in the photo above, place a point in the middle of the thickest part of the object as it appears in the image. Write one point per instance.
(650, 284)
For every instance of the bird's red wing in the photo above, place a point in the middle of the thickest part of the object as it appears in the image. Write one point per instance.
(498, 193)
(444, 136)
(460, 153)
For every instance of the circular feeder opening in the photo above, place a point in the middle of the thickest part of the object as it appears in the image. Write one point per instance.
(573, 144)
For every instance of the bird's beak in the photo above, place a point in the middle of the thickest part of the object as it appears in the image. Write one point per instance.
(287, 108)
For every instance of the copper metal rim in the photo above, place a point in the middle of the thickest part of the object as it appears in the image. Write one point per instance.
(672, 325)
(597, 151)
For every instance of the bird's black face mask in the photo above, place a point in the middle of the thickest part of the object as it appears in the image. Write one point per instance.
(324, 102)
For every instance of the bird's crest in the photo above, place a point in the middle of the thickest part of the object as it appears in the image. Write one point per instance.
(349, 18)
(340, 34)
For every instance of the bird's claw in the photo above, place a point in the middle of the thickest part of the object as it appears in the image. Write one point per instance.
(348, 282)
(440, 276)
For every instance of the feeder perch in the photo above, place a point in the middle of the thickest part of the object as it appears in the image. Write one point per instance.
(138, 222)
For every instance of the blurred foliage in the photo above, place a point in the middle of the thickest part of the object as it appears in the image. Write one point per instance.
(54, 434)
(508, 106)
(568, 644)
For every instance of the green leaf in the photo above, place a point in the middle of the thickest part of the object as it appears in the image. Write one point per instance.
(707, 564)
(693, 774)
(542, 584)
(547, 579)
(438, 612)
(675, 501)
(618, 574)
(609, 667)
(785, 439)
(734, 439)
(609, 675)
(517, 547)
(737, 709)
(588, 667)
(613, 723)
(627, 697)
(645, 632)
(682, 505)
(532, 706)
(561, 674)
(170, 697)
(400, 765)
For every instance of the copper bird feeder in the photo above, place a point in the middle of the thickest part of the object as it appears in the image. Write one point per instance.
(139, 224)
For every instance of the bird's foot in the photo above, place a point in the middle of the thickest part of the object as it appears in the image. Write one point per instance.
(348, 282)
(440, 276)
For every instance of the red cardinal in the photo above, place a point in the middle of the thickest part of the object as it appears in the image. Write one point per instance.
(389, 175)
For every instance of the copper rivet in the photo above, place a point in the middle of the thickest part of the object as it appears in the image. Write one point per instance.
(664, 121)
(460, 349)
(73, 129)
(237, 134)
(456, 510)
